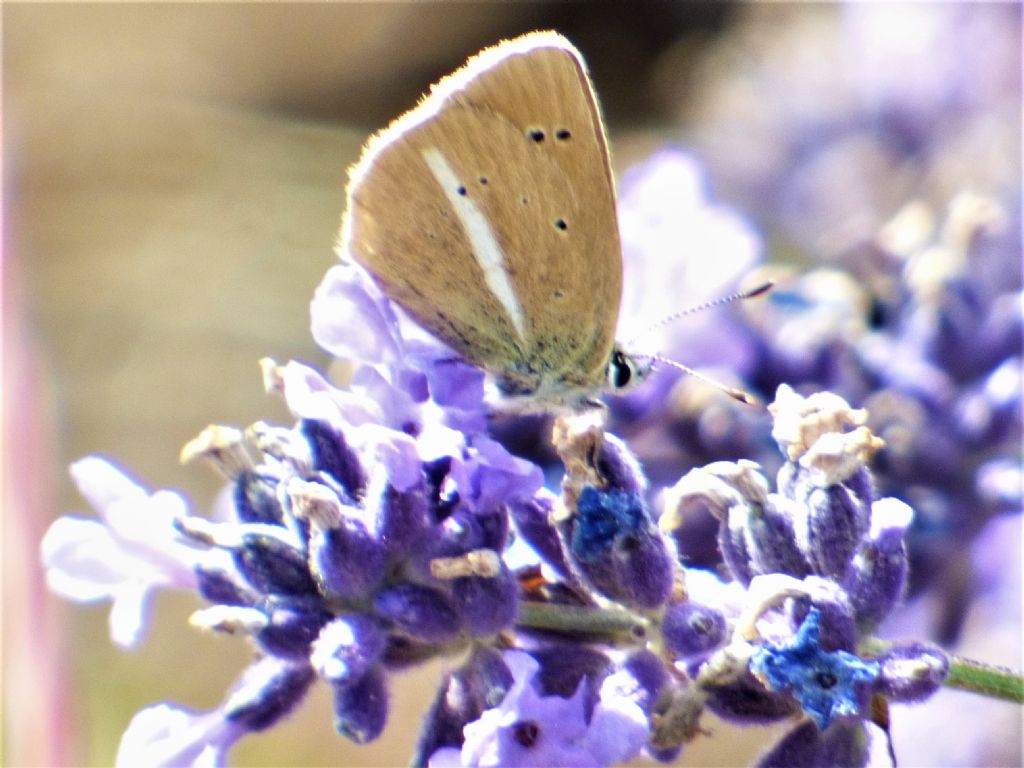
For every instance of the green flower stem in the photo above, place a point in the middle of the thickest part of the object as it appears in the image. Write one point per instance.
(969, 675)
(986, 679)
(621, 625)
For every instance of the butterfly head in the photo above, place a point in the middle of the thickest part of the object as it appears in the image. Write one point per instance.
(569, 392)
(626, 371)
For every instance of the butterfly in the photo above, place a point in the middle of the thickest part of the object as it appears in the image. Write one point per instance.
(487, 213)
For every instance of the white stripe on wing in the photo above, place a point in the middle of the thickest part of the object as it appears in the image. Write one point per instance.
(481, 238)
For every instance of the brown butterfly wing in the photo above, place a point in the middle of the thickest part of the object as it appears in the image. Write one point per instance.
(519, 130)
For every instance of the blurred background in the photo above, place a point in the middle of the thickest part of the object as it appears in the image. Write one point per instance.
(173, 180)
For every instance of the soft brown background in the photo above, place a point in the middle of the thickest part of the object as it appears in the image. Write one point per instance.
(173, 179)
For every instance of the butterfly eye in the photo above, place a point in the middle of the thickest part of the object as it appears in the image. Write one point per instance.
(620, 371)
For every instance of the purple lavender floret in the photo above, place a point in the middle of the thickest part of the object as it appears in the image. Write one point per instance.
(828, 684)
(403, 521)
(609, 540)
(530, 728)
(619, 467)
(756, 533)
(833, 526)
(132, 550)
(463, 695)
(224, 587)
(836, 628)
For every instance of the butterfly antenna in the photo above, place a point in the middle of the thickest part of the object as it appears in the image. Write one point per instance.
(754, 292)
(734, 392)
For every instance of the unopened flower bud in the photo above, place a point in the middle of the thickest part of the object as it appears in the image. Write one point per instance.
(532, 518)
(268, 691)
(348, 647)
(292, 627)
(333, 456)
(487, 604)
(347, 560)
(912, 672)
(618, 550)
(691, 629)
(256, 499)
(361, 708)
(877, 576)
(420, 612)
(272, 562)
